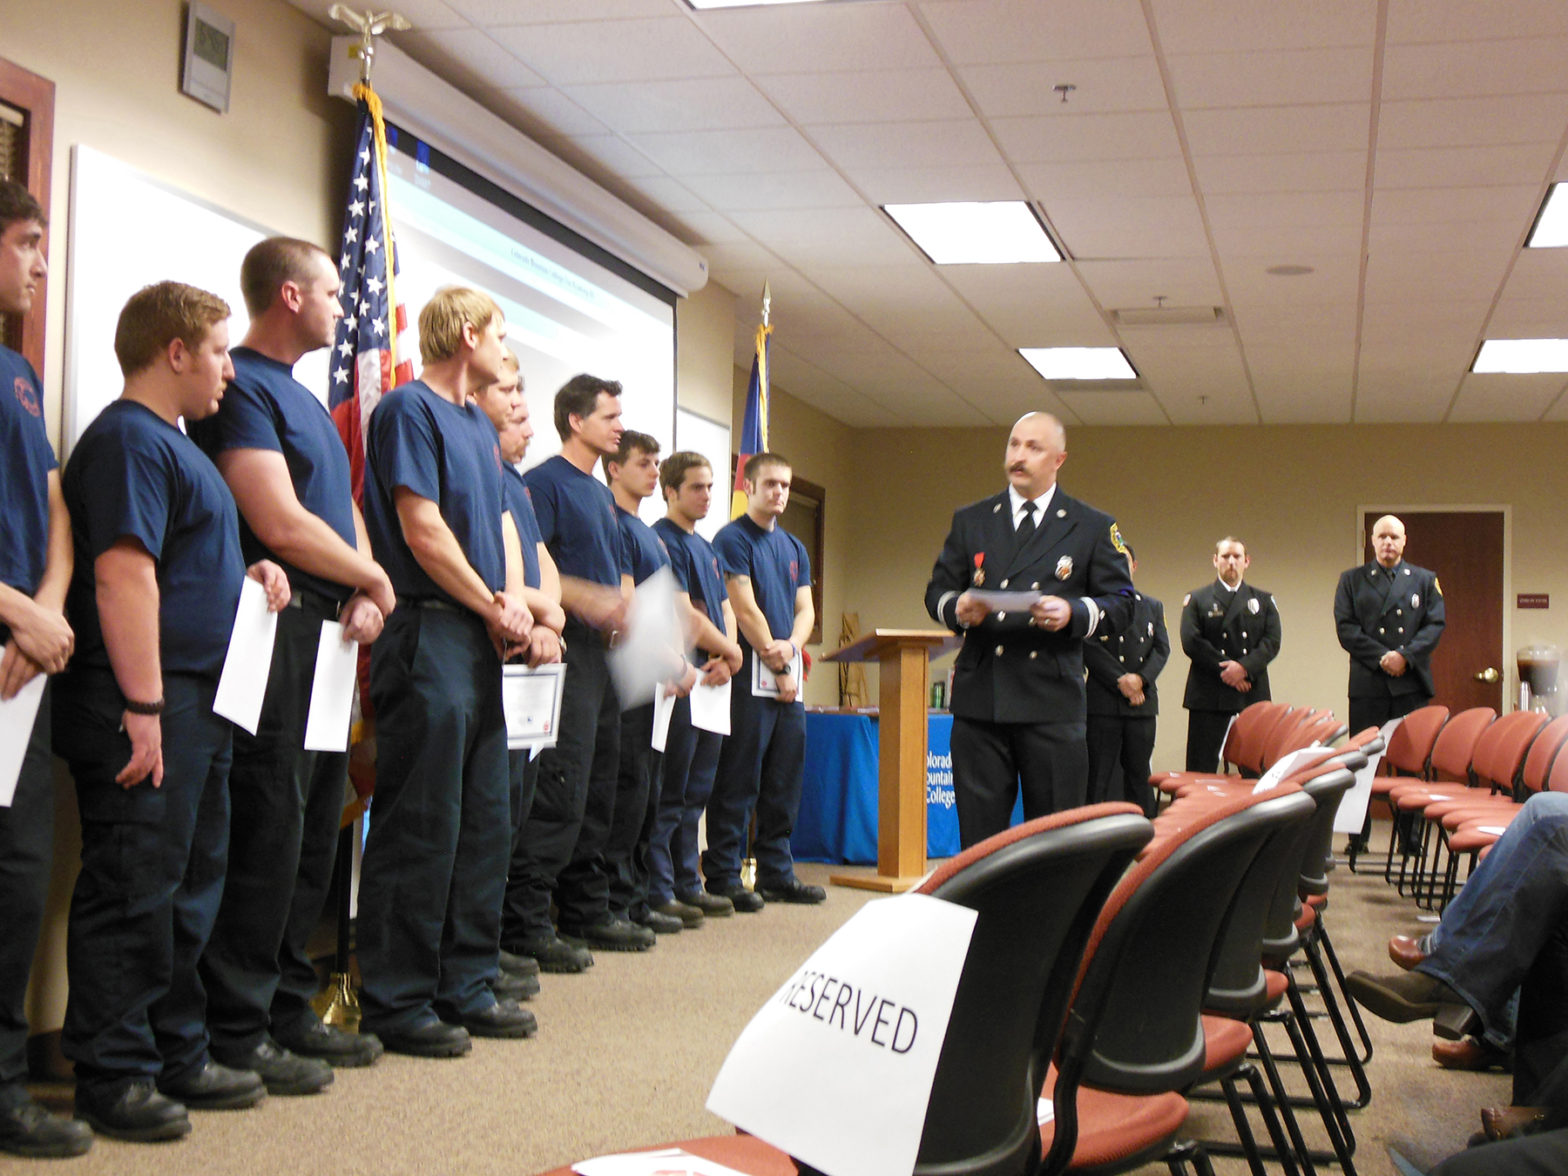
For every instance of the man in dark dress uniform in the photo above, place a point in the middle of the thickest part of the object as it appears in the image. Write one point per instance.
(1123, 702)
(1018, 694)
(1389, 616)
(1231, 632)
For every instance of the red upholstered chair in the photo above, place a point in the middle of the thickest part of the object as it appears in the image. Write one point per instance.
(1408, 756)
(1134, 1036)
(1449, 768)
(1243, 746)
(1037, 889)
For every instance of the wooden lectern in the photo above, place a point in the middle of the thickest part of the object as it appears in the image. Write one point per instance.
(905, 657)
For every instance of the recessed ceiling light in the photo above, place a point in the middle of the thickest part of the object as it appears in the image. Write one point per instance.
(701, 4)
(1079, 363)
(1002, 232)
(1289, 271)
(1551, 226)
(1522, 356)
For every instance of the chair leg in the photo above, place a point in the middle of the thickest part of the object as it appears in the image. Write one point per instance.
(1348, 1001)
(1319, 1081)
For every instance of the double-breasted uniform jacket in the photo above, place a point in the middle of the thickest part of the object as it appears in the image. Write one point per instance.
(1217, 626)
(1378, 609)
(1141, 648)
(1009, 671)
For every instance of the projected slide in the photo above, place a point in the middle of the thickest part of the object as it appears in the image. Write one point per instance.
(565, 311)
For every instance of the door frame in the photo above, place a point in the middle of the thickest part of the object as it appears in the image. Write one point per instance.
(1509, 668)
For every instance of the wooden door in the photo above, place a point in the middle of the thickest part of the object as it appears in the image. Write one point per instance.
(1465, 549)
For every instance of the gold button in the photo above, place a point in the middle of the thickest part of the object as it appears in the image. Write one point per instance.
(998, 651)
(1035, 585)
(1380, 632)
(1033, 653)
(1004, 583)
(1001, 616)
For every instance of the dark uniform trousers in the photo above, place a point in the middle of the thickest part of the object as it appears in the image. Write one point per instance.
(26, 840)
(435, 862)
(761, 765)
(691, 757)
(152, 872)
(286, 804)
(560, 850)
(1049, 757)
(1121, 751)
(636, 802)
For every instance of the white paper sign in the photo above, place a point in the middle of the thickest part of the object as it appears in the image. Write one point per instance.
(17, 717)
(651, 644)
(710, 707)
(663, 708)
(836, 1068)
(1352, 813)
(243, 684)
(331, 690)
(765, 683)
(531, 702)
(1284, 766)
(669, 1161)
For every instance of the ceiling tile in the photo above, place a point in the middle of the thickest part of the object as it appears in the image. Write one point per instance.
(882, 95)
(1525, 65)
(1334, 279)
(1476, 121)
(1402, 399)
(1166, 176)
(1539, 273)
(1209, 26)
(688, 104)
(961, 143)
(1305, 398)
(1408, 277)
(468, 58)
(1282, 241)
(545, 111)
(1031, 305)
(1528, 318)
(717, 153)
(1026, 30)
(1461, 167)
(1114, 408)
(709, 228)
(1279, 130)
(1179, 281)
(917, 185)
(615, 51)
(1505, 398)
(1130, 227)
(1516, 202)
(1087, 136)
(1316, 171)
(602, 155)
(516, 12)
(819, 38)
(1262, 318)
(1278, 77)
(424, 15)
(1473, 20)
(1477, 234)
(1288, 209)
(828, 236)
(1100, 86)
(798, 189)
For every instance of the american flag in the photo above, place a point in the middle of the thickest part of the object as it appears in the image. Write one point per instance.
(365, 363)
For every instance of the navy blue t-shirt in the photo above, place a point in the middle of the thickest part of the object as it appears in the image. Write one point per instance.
(134, 475)
(526, 522)
(24, 488)
(644, 548)
(449, 455)
(265, 407)
(577, 520)
(776, 563)
(696, 568)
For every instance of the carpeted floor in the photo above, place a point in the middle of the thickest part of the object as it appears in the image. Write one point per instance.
(626, 1054)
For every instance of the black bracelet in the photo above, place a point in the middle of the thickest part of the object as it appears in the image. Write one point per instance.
(143, 708)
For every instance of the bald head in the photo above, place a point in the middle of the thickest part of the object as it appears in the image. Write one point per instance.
(1036, 448)
(1388, 541)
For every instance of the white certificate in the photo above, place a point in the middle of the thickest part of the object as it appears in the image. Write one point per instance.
(710, 707)
(663, 708)
(1002, 601)
(243, 683)
(16, 729)
(531, 701)
(765, 683)
(331, 690)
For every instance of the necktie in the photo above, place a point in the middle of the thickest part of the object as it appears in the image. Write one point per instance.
(1025, 525)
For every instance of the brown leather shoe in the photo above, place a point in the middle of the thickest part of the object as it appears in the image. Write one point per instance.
(1506, 1122)
(1471, 1053)
(1405, 950)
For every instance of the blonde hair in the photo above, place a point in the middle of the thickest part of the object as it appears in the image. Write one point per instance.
(442, 320)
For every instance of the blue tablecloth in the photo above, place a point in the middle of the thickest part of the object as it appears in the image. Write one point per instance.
(838, 804)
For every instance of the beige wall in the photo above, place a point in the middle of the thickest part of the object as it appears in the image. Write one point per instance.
(1293, 493)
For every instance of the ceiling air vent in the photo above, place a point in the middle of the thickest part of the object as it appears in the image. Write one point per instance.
(1169, 316)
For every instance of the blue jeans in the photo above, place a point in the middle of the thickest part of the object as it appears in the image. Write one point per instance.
(1505, 915)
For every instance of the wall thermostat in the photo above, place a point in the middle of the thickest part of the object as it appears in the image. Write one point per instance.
(209, 56)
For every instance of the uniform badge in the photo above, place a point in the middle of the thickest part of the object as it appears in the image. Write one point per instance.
(1186, 600)
(1415, 600)
(1437, 586)
(1252, 606)
(1064, 567)
(1116, 539)
(1151, 628)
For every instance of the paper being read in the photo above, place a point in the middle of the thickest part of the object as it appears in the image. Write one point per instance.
(331, 690)
(663, 708)
(710, 707)
(16, 730)
(650, 643)
(243, 683)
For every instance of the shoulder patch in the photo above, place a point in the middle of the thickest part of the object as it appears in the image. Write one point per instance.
(1116, 539)
(1186, 600)
(1437, 585)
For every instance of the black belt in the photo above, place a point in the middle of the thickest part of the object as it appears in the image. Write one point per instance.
(435, 604)
(316, 602)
